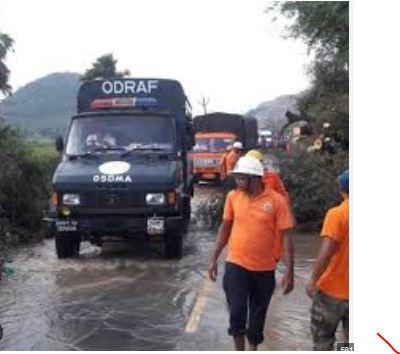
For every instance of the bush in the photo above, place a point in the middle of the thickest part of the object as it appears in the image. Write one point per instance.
(25, 184)
(311, 179)
(210, 212)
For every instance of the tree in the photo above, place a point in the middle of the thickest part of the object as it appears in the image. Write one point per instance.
(6, 44)
(104, 68)
(324, 27)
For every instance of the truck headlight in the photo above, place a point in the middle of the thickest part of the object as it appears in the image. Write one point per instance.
(71, 199)
(155, 198)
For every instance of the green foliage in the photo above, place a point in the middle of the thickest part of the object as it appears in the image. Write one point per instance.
(6, 44)
(24, 182)
(104, 67)
(210, 212)
(332, 108)
(311, 179)
(322, 25)
(43, 149)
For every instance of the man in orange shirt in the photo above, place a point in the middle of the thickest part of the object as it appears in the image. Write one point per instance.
(231, 161)
(233, 156)
(252, 214)
(272, 180)
(222, 164)
(329, 283)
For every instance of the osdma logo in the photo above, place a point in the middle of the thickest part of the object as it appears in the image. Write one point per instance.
(113, 171)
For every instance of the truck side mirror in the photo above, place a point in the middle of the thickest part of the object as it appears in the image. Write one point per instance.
(59, 144)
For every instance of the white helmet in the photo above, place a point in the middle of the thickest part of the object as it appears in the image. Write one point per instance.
(237, 145)
(249, 166)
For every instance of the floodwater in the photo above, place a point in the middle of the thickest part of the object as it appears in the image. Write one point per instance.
(130, 298)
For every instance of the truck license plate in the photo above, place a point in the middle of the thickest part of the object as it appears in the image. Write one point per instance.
(66, 225)
(155, 226)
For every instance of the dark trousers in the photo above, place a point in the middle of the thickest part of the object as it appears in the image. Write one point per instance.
(248, 294)
(326, 314)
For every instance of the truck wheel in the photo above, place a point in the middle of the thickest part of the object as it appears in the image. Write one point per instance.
(173, 246)
(76, 245)
(66, 246)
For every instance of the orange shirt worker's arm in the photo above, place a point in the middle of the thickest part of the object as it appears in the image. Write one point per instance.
(231, 160)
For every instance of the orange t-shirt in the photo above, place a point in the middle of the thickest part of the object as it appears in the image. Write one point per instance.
(256, 220)
(272, 180)
(335, 280)
(222, 165)
(231, 160)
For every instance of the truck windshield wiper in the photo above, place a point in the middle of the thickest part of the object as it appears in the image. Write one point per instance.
(143, 147)
(85, 154)
(110, 148)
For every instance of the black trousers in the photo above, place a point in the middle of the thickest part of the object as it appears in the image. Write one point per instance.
(248, 294)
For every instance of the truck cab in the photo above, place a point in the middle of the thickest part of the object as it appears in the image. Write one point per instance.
(214, 132)
(207, 154)
(124, 170)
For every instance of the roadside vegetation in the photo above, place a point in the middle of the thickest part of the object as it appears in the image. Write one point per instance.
(310, 175)
(25, 188)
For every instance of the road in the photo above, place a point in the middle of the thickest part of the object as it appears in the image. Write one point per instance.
(130, 298)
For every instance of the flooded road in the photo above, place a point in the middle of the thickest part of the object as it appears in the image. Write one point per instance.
(130, 298)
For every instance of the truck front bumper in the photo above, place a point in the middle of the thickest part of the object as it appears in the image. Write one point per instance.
(117, 225)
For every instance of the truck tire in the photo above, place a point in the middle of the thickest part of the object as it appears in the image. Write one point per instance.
(76, 244)
(173, 246)
(66, 246)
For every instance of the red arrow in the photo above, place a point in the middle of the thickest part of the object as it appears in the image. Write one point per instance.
(391, 346)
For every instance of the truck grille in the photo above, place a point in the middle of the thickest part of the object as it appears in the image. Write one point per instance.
(113, 199)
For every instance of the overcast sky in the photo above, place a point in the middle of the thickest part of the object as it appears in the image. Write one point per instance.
(226, 50)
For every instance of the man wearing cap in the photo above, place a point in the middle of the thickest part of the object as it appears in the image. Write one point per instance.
(233, 156)
(231, 160)
(329, 282)
(252, 214)
(272, 180)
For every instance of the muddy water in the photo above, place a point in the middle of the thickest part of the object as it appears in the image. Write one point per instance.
(130, 298)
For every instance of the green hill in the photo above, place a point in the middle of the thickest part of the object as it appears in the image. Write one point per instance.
(44, 106)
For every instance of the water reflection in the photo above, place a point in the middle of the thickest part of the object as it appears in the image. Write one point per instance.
(130, 298)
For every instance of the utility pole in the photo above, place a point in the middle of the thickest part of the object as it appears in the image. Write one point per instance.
(204, 102)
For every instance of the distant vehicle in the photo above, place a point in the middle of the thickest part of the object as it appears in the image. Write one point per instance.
(213, 133)
(265, 138)
(125, 171)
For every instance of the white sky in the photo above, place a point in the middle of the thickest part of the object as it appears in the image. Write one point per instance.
(228, 51)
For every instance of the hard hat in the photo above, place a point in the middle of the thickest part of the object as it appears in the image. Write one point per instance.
(255, 154)
(344, 180)
(249, 166)
(237, 145)
(229, 148)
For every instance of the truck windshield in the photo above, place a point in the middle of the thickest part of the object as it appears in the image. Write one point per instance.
(119, 132)
(212, 144)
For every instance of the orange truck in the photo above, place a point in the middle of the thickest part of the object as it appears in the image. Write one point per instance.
(214, 132)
